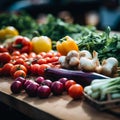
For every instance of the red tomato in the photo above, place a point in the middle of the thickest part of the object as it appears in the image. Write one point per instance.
(75, 91)
(1, 71)
(17, 67)
(42, 61)
(49, 54)
(32, 55)
(28, 66)
(38, 56)
(42, 69)
(3, 49)
(47, 59)
(5, 57)
(23, 57)
(14, 57)
(57, 66)
(19, 73)
(42, 54)
(25, 54)
(53, 59)
(19, 61)
(69, 83)
(57, 54)
(16, 53)
(34, 69)
(7, 68)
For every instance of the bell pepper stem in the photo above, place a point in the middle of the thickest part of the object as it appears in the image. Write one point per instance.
(19, 46)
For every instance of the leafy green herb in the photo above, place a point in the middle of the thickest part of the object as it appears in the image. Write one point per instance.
(87, 37)
(23, 22)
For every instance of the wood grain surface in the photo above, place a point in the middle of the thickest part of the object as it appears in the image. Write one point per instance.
(53, 108)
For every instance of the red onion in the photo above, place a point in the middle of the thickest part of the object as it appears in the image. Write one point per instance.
(47, 82)
(39, 79)
(57, 88)
(16, 87)
(43, 91)
(31, 89)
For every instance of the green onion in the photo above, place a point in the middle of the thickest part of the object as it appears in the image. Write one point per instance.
(99, 89)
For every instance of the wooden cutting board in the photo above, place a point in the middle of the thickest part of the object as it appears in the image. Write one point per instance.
(52, 108)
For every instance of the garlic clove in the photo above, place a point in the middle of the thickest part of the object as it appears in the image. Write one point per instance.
(85, 53)
(109, 66)
(72, 53)
(87, 64)
(74, 61)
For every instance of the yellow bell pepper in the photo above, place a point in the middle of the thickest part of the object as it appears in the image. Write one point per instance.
(8, 32)
(66, 45)
(41, 44)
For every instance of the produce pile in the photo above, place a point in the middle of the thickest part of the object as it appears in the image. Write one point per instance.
(86, 37)
(44, 88)
(54, 51)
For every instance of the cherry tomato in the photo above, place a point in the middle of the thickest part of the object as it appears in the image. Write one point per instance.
(23, 57)
(49, 54)
(34, 69)
(25, 54)
(16, 53)
(6, 69)
(47, 59)
(32, 55)
(19, 61)
(42, 69)
(43, 54)
(69, 83)
(13, 59)
(5, 57)
(17, 67)
(1, 71)
(19, 73)
(75, 91)
(3, 49)
(57, 66)
(57, 54)
(38, 56)
(54, 59)
(42, 61)
(28, 66)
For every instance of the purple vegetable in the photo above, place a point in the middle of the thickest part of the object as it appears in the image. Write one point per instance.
(83, 78)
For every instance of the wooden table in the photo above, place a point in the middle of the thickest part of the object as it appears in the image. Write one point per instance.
(52, 108)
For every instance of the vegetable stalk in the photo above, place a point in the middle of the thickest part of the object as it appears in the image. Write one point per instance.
(98, 89)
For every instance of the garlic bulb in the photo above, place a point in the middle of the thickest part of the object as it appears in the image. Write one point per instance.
(63, 62)
(85, 53)
(98, 67)
(74, 61)
(109, 66)
(72, 53)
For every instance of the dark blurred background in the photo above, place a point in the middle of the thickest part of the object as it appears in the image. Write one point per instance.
(100, 13)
